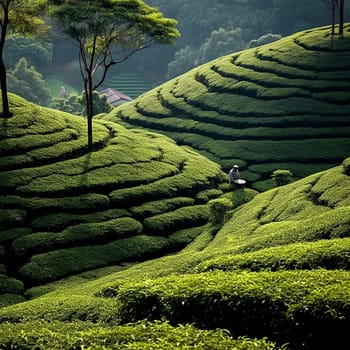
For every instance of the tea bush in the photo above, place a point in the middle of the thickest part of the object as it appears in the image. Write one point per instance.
(330, 254)
(140, 336)
(59, 263)
(178, 219)
(90, 233)
(254, 304)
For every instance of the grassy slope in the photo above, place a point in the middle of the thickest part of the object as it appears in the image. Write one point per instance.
(278, 268)
(288, 99)
(64, 211)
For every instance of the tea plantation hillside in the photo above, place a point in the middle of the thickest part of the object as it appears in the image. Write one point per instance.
(284, 105)
(277, 272)
(64, 210)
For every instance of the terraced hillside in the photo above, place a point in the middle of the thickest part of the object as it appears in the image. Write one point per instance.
(284, 105)
(130, 84)
(276, 272)
(64, 211)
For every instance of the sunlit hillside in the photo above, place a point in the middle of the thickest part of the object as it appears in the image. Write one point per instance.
(278, 270)
(284, 105)
(65, 211)
(143, 245)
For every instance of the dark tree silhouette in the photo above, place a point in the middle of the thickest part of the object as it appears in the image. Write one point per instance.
(337, 4)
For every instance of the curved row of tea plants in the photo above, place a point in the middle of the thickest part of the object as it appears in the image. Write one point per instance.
(64, 210)
(284, 105)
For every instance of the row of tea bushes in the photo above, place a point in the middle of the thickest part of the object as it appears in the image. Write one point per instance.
(139, 336)
(307, 307)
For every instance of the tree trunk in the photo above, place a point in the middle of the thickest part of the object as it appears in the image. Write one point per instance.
(5, 103)
(341, 17)
(333, 17)
(89, 110)
(3, 83)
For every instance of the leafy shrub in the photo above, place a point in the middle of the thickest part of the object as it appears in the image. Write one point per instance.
(95, 232)
(346, 166)
(180, 218)
(328, 254)
(182, 238)
(10, 285)
(157, 207)
(7, 299)
(80, 204)
(53, 265)
(11, 234)
(59, 221)
(218, 210)
(282, 177)
(11, 217)
(206, 195)
(28, 142)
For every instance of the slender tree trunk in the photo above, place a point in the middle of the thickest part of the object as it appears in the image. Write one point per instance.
(89, 110)
(3, 83)
(5, 103)
(333, 17)
(341, 17)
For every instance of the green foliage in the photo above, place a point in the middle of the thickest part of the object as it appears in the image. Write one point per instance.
(10, 299)
(206, 195)
(111, 32)
(276, 97)
(182, 238)
(27, 82)
(60, 263)
(10, 285)
(264, 39)
(245, 302)
(76, 104)
(346, 166)
(90, 233)
(152, 208)
(220, 42)
(38, 53)
(330, 254)
(218, 210)
(11, 217)
(65, 211)
(59, 221)
(140, 336)
(178, 219)
(282, 177)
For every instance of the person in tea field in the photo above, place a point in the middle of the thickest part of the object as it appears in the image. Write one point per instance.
(233, 174)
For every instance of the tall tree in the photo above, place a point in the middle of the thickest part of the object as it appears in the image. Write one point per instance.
(339, 4)
(20, 16)
(341, 15)
(107, 33)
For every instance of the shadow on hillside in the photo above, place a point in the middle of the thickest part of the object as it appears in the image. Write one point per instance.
(86, 168)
